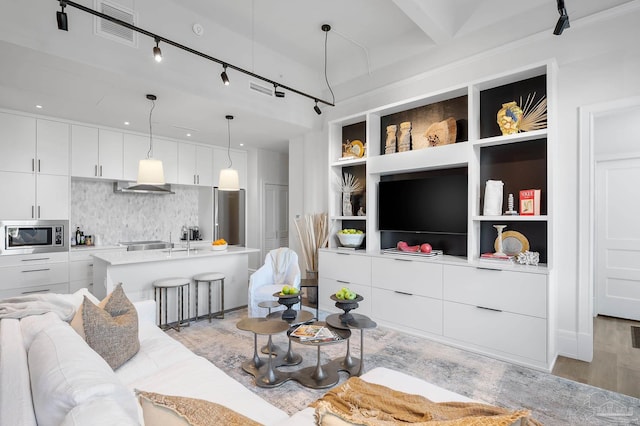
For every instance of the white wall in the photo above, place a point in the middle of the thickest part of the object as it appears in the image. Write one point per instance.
(598, 60)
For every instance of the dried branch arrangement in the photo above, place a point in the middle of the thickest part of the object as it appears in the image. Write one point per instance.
(313, 231)
(350, 183)
(534, 115)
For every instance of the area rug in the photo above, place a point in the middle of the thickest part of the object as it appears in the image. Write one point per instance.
(552, 400)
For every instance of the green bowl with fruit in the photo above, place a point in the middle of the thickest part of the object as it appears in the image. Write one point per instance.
(351, 237)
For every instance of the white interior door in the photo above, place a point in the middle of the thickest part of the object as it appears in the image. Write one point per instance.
(276, 217)
(617, 242)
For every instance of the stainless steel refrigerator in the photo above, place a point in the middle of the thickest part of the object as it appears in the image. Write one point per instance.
(229, 216)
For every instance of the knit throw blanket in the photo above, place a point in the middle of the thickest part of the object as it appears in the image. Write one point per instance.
(362, 403)
(37, 304)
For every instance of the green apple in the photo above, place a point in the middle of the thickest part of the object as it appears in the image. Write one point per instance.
(293, 290)
(286, 290)
(351, 295)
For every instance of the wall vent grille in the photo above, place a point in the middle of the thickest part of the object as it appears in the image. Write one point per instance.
(265, 90)
(112, 30)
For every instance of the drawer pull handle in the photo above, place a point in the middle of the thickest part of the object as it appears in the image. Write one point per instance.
(38, 270)
(402, 292)
(91, 264)
(404, 260)
(489, 309)
(343, 254)
(488, 269)
(36, 258)
(46, 290)
(343, 282)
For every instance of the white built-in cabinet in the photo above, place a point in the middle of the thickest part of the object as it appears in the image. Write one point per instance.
(195, 164)
(96, 153)
(81, 266)
(25, 274)
(501, 309)
(34, 168)
(238, 162)
(167, 151)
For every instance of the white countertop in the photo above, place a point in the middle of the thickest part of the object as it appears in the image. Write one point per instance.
(144, 256)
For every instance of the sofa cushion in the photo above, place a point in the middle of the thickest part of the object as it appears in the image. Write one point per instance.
(102, 411)
(111, 328)
(16, 407)
(168, 410)
(65, 372)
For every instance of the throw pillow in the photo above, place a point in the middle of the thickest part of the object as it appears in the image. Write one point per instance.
(77, 322)
(168, 410)
(111, 329)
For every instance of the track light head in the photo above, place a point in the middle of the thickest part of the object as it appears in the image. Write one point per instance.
(61, 17)
(224, 76)
(317, 108)
(157, 53)
(563, 21)
(278, 93)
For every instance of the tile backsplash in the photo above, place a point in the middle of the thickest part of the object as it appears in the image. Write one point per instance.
(96, 209)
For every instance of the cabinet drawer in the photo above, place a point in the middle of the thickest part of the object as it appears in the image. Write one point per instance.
(502, 331)
(328, 286)
(517, 292)
(61, 288)
(346, 267)
(417, 312)
(33, 259)
(32, 275)
(409, 276)
(81, 270)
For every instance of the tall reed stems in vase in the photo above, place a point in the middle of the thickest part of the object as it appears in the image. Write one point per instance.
(313, 231)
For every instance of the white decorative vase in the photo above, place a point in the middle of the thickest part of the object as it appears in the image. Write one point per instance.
(347, 207)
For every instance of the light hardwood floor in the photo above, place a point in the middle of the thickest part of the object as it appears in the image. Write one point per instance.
(615, 365)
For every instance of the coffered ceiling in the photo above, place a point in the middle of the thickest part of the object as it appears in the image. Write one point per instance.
(80, 75)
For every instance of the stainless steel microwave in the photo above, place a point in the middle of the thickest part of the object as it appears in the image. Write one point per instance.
(34, 236)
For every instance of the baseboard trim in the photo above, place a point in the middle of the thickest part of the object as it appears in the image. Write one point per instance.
(575, 345)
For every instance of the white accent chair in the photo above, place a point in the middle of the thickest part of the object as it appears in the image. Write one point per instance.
(280, 268)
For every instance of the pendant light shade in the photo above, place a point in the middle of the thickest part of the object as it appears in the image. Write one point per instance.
(229, 180)
(150, 170)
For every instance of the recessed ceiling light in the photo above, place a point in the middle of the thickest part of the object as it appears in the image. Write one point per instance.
(189, 134)
(241, 144)
(126, 123)
(39, 106)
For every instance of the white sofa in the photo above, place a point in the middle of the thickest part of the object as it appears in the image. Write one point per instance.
(48, 373)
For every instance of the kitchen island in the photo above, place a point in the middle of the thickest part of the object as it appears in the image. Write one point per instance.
(137, 270)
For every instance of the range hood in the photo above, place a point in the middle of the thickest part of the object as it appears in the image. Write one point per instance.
(133, 187)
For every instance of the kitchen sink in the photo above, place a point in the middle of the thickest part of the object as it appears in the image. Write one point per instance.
(145, 245)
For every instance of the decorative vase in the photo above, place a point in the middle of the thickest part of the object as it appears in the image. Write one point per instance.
(509, 118)
(404, 140)
(347, 207)
(390, 144)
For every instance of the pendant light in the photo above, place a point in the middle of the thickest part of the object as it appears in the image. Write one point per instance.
(150, 171)
(229, 177)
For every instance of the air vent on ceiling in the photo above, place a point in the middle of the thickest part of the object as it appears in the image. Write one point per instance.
(114, 31)
(265, 90)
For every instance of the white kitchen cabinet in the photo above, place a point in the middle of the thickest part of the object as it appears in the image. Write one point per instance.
(17, 143)
(407, 310)
(81, 266)
(52, 148)
(34, 273)
(167, 151)
(96, 153)
(238, 162)
(52, 197)
(135, 149)
(34, 146)
(410, 276)
(195, 165)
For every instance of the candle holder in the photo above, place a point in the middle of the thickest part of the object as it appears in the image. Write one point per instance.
(500, 228)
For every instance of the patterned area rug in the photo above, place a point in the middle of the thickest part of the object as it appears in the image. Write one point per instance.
(553, 400)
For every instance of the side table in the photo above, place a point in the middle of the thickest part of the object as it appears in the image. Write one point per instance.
(321, 376)
(358, 322)
(265, 377)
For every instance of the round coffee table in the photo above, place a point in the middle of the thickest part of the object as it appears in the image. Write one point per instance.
(320, 376)
(265, 377)
(355, 367)
(290, 358)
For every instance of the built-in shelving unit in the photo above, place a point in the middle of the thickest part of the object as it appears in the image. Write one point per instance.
(458, 298)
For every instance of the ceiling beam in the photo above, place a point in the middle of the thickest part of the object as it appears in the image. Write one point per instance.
(415, 10)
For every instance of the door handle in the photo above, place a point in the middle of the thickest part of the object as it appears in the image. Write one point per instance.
(404, 260)
(343, 282)
(101, 170)
(33, 164)
(38, 165)
(37, 270)
(402, 292)
(31, 260)
(38, 212)
(198, 179)
(33, 211)
(95, 170)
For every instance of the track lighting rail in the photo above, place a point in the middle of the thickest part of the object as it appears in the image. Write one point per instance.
(158, 38)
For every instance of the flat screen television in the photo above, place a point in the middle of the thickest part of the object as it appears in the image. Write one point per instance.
(432, 204)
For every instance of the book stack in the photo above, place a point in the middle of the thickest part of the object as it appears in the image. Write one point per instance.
(499, 257)
(314, 333)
